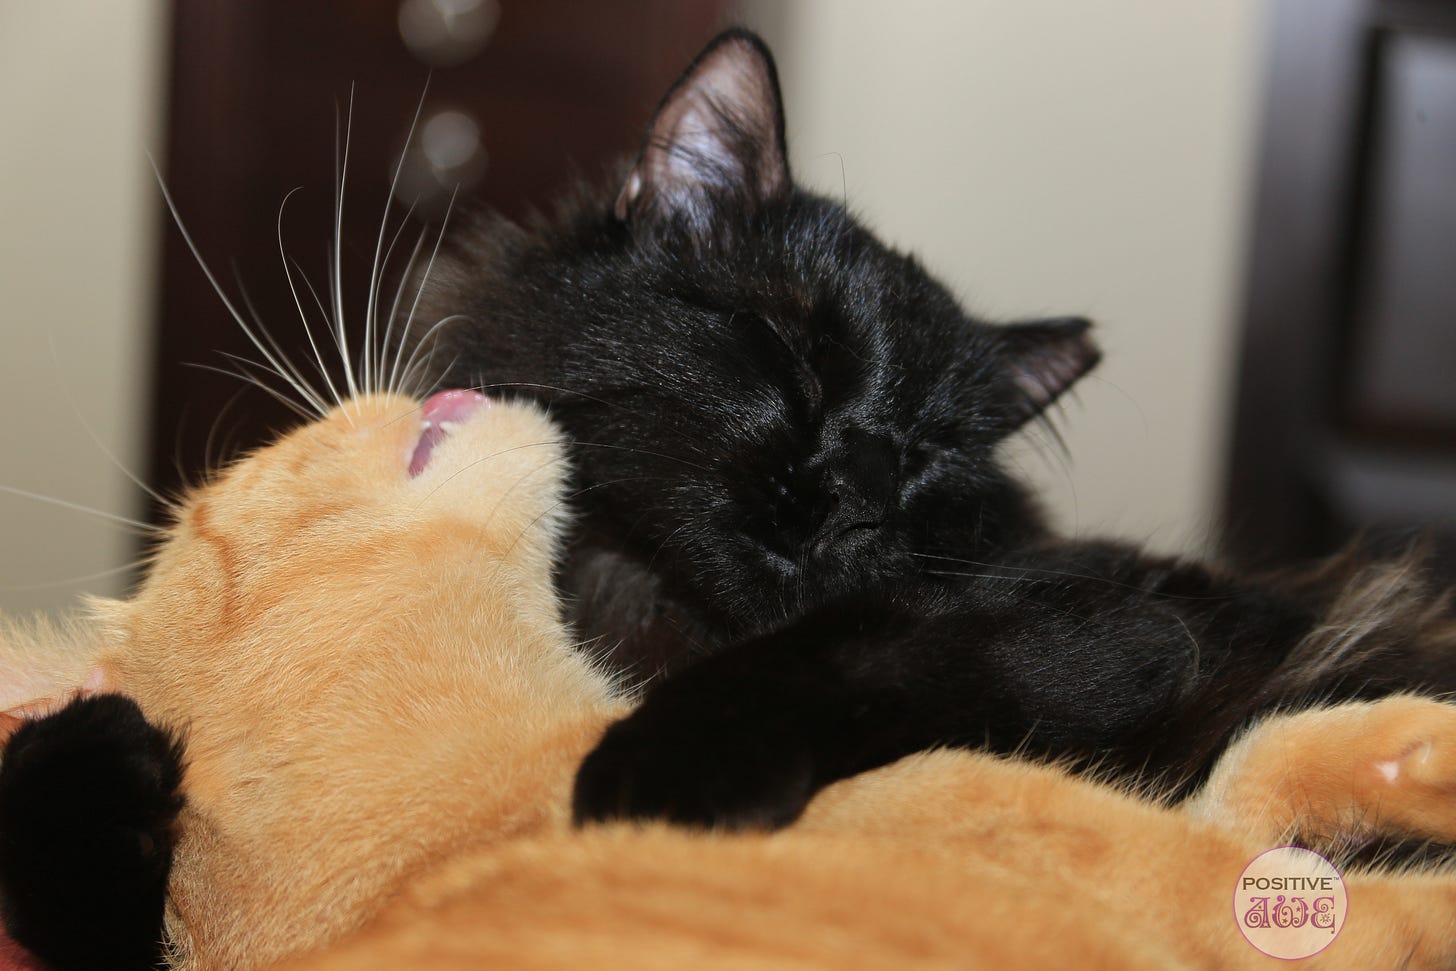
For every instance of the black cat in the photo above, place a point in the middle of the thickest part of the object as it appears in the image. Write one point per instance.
(786, 459)
(787, 475)
(772, 408)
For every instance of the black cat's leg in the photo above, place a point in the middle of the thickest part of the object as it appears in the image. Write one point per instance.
(746, 737)
(88, 798)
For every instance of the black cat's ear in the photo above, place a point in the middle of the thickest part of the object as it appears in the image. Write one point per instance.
(1044, 358)
(717, 137)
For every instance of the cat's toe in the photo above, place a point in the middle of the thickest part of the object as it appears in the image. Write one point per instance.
(88, 798)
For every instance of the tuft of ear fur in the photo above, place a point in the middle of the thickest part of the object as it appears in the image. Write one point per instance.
(718, 135)
(1043, 358)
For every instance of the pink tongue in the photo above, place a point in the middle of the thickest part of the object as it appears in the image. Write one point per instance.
(447, 406)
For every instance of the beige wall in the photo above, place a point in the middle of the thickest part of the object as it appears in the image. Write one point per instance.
(1049, 157)
(78, 109)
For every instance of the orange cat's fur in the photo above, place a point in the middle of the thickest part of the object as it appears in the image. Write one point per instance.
(383, 716)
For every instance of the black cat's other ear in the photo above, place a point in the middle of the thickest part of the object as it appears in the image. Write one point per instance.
(1043, 358)
(717, 136)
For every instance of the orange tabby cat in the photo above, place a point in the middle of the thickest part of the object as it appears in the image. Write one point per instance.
(355, 631)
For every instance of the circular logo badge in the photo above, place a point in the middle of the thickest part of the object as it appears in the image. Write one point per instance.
(1290, 903)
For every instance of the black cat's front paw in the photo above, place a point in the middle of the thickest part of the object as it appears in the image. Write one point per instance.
(88, 798)
(695, 774)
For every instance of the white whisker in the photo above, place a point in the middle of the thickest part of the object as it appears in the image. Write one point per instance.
(424, 277)
(342, 164)
(96, 440)
(323, 312)
(68, 581)
(255, 381)
(409, 269)
(428, 344)
(376, 269)
(207, 272)
(146, 528)
(303, 317)
(484, 458)
(292, 377)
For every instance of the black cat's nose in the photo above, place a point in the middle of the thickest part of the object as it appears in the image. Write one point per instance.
(857, 484)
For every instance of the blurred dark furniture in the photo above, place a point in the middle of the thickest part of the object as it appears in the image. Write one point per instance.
(523, 94)
(1346, 410)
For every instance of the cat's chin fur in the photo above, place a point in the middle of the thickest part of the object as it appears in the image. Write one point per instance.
(316, 627)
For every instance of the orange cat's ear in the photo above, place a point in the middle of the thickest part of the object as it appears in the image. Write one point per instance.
(42, 667)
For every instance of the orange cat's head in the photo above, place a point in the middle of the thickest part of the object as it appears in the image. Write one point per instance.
(355, 634)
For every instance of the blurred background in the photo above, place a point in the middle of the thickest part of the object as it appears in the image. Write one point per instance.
(1254, 199)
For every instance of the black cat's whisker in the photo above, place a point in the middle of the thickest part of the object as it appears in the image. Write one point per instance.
(535, 520)
(1067, 574)
(1045, 422)
(640, 451)
(605, 402)
(1103, 619)
(1097, 378)
(1196, 664)
(988, 576)
(147, 529)
(598, 655)
(298, 302)
(521, 479)
(232, 309)
(652, 560)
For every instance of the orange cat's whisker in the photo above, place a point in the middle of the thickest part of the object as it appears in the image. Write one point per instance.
(145, 528)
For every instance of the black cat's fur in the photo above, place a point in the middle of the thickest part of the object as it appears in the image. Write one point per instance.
(88, 797)
(786, 458)
(771, 408)
(791, 504)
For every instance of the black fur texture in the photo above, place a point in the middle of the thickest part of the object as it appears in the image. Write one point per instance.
(771, 409)
(88, 798)
(786, 458)
(790, 502)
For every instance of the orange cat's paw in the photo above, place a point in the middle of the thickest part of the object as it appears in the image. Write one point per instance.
(1387, 766)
